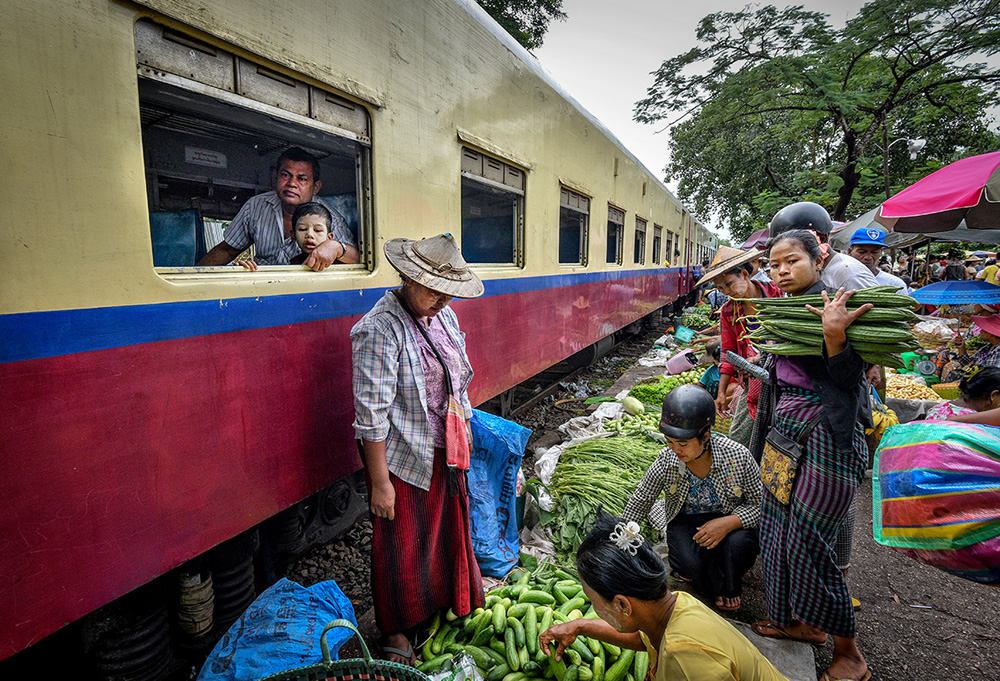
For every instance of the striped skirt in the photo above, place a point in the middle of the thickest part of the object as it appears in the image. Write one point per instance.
(802, 581)
(422, 560)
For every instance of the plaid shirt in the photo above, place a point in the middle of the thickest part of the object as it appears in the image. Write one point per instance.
(390, 399)
(734, 476)
(260, 223)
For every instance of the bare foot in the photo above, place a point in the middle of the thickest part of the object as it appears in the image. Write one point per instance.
(797, 632)
(397, 648)
(728, 603)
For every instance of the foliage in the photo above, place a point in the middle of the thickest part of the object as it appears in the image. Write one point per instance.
(777, 106)
(526, 20)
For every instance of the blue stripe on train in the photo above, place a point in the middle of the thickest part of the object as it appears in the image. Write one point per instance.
(35, 335)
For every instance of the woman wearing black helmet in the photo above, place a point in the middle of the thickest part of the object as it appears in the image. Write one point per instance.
(712, 498)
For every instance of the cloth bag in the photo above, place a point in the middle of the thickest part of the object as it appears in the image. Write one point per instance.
(936, 493)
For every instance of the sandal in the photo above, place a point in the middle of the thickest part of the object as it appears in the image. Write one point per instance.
(405, 654)
(677, 575)
(826, 677)
(769, 629)
(728, 608)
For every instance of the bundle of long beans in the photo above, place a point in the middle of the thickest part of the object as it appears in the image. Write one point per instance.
(879, 335)
(598, 471)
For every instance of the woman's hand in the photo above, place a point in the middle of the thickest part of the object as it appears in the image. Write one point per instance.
(383, 501)
(836, 318)
(563, 634)
(721, 403)
(714, 531)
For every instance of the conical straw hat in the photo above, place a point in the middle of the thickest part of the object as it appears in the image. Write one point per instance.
(435, 263)
(726, 259)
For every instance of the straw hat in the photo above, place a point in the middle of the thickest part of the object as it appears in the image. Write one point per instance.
(435, 263)
(726, 259)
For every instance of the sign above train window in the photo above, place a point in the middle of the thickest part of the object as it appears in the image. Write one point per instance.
(162, 52)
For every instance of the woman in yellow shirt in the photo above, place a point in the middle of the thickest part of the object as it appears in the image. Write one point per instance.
(627, 583)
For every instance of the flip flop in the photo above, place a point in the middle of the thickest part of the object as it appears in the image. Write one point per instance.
(826, 677)
(779, 633)
(405, 654)
(728, 608)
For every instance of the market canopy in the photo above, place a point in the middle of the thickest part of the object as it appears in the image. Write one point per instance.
(757, 240)
(967, 190)
(840, 238)
(958, 293)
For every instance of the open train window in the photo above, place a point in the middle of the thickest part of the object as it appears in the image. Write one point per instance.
(657, 241)
(639, 247)
(616, 235)
(574, 217)
(492, 210)
(213, 127)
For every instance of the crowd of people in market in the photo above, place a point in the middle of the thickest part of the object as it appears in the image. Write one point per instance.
(779, 484)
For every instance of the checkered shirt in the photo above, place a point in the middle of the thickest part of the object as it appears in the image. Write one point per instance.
(734, 476)
(390, 399)
(259, 222)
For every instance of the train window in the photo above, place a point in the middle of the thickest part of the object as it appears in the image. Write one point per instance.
(574, 216)
(657, 241)
(492, 210)
(616, 234)
(639, 246)
(213, 127)
(668, 255)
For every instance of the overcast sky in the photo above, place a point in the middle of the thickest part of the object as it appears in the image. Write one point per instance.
(604, 52)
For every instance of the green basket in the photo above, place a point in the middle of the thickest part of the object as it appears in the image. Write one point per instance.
(354, 669)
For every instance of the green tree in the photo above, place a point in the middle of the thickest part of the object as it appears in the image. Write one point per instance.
(526, 20)
(776, 106)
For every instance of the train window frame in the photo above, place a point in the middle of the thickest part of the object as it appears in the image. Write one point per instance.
(484, 175)
(573, 204)
(616, 239)
(215, 78)
(657, 242)
(639, 241)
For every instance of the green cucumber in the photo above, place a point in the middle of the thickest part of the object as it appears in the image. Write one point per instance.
(598, 668)
(641, 667)
(531, 630)
(498, 672)
(510, 644)
(483, 636)
(499, 618)
(619, 669)
(536, 596)
(519, 634)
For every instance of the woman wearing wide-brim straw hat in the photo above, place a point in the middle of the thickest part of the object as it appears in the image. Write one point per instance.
(406, 351)
(731, 272)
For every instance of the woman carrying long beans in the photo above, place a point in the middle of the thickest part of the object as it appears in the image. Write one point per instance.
(820, 399)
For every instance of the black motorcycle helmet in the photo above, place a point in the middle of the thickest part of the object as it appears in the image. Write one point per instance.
(801, 215)
(688, 411)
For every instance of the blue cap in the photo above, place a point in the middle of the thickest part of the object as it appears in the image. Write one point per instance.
(869, 235)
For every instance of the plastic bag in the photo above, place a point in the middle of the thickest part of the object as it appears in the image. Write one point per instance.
(459, 668)
(280, 631)
(496, 458)
(936, 489)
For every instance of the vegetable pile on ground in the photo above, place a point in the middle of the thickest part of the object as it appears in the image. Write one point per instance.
(503, 638)
(652, 393)
(696, 321)
(879, 335)
(600, 471)
(905, 389)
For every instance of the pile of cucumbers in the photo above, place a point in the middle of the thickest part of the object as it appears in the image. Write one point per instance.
(503, 637)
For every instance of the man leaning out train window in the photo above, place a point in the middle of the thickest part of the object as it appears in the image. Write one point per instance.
(265, 221)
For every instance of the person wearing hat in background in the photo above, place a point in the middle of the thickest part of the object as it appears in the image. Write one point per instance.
(731, 273)
(411, 376)
(954, 269)
(989, 273)
(973, 264)
(986, 356)
(866, 247)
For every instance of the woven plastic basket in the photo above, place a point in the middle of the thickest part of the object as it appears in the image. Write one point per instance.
(354, 669)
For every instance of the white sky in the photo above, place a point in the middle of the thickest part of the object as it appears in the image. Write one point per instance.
(605, 51)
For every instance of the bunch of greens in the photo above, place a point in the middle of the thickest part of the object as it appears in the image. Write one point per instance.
(696, 321)
(600, 471)
(653, 393)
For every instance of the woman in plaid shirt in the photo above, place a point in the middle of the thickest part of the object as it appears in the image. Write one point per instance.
(405, 350)
(711, 503)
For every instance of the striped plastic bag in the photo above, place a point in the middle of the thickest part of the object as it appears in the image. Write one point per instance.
(936, 488)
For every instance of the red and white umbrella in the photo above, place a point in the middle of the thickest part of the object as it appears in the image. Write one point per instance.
(968, 189)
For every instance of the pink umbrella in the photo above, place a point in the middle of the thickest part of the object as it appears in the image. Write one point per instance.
(757, 240)
(968, 189)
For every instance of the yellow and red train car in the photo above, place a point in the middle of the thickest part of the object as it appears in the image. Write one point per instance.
(155, 409)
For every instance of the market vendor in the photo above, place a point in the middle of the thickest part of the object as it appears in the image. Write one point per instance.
(711, 493)
(980, 391)
(731, 271)
(627, 583)
(952, 362)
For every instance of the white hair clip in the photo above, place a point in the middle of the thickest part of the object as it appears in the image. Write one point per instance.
(626, 537)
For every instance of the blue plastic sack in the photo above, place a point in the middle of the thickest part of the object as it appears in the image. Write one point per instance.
(280, 631)
(498, 446)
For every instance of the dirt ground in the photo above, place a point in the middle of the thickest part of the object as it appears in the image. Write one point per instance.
(915, 622)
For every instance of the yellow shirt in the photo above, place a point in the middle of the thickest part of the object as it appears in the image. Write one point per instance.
(701, 646)
(989, 274)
